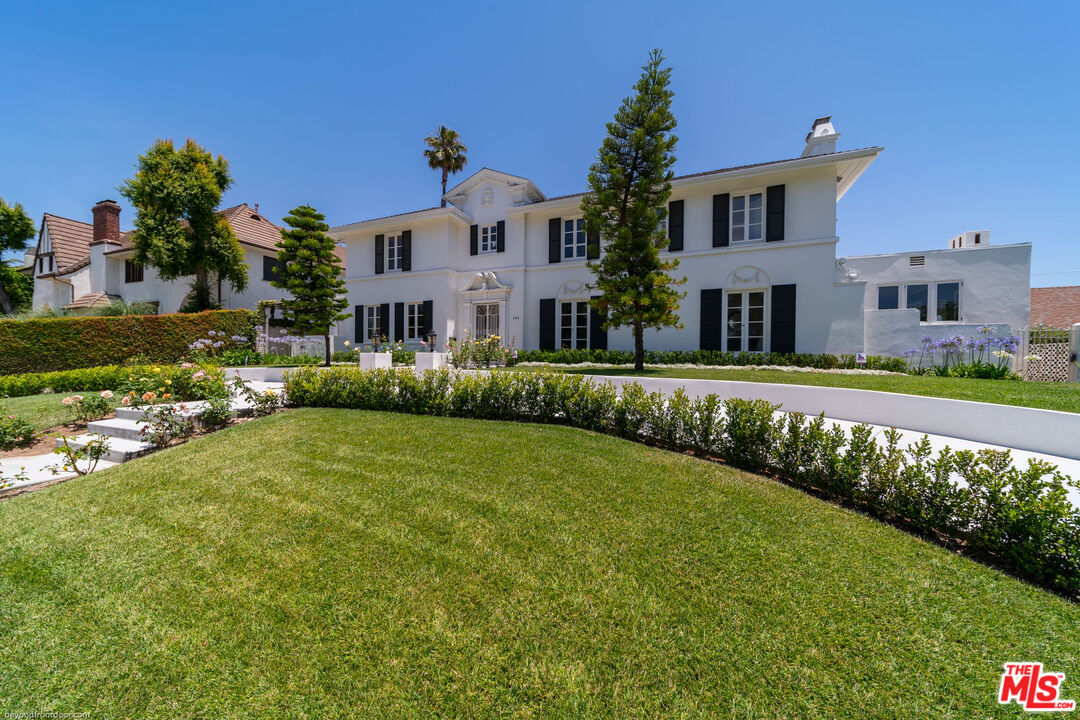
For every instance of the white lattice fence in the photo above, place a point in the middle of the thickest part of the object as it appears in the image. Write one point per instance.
(1044, 354)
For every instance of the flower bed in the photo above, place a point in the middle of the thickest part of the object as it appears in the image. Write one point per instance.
(1019, 518)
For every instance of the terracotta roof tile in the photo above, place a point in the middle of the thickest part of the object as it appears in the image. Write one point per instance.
(1057, 307)
(70, 241)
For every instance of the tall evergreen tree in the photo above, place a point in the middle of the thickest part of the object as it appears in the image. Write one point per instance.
(445, 152)
(177, 229)
(16, 232)
(629, 185)
(311, 272)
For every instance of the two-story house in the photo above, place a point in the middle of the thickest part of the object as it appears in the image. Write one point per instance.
(756, 243)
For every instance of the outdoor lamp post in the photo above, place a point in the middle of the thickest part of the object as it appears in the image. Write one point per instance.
(431, 341)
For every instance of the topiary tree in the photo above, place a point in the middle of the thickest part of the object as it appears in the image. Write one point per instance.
(311, 272)
(16, 232)
(177, 229)
(629, 185)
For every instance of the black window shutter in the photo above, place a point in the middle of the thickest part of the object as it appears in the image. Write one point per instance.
(406, 250)
(399, 321)
(774, 214)
(597, 333)
(547, 324)
(592, 246)
(474, 239)
(554, 249)
(358, 323)
(270, 268)
(500, 233)
(384, 320)
(712, 319)
(783, 319)
(380, 241)
(721, 234)
(428, 319)
(675, 225)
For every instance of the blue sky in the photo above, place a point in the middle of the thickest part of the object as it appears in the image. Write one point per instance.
(976, 104)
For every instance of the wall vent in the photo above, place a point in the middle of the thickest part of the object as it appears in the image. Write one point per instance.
(917, 260)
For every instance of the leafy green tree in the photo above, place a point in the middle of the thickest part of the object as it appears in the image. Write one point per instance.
(311, 272)
(445, 152)
(177, 229)
(629, 185)
(16, 232)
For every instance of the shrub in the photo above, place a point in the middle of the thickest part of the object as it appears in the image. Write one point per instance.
(216, 414)
(95, 449)
(92, 407)
(711, 357)
(107, 377)
(166, 423)
(1021, 518)
(176, 383)
(64, 343)
(14, 431)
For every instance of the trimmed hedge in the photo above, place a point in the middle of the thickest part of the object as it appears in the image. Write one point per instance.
(1020, 519)
(107, 377)
(712, 357)
(48, 344)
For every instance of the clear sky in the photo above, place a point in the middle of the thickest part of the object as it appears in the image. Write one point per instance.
(976, 104)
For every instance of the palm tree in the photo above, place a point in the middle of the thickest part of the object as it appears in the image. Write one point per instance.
(445, 152)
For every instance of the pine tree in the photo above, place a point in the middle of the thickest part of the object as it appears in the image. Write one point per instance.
(177, 229)
(311, 272)
(629, 185)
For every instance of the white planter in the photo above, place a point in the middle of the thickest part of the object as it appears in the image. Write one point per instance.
(368, 360)
(430, 360)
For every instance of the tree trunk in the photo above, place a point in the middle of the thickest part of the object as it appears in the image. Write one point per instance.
(442, 198)
(327, 339)
(639, 346)
(5, 302)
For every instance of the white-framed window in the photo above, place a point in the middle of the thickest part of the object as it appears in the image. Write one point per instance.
(414, 321)
(574, 241)
(487, 320)
(937, 300)
(393, 252)
(489, 238)
(374, 327)
(745, 327)
(574, 324)
(748, 217)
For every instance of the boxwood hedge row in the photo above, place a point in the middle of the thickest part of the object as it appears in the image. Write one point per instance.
(712, 357)
(49, 344)
(1020, 519)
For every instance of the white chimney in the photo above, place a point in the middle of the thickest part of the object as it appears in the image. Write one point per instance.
(821, 139)
(970, 239)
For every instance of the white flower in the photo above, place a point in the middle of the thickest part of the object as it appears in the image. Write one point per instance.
(107, 394)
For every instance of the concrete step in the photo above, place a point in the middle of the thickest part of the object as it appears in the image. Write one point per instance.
(120, 450)
(118, 427)
(136, 414)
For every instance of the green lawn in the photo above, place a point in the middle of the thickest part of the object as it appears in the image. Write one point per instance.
(1050, 396)
(336, 563)
(42, 411)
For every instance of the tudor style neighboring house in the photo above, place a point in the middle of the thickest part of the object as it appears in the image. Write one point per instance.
(757, 244)
(78, 266)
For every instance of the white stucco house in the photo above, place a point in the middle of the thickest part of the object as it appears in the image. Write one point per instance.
(78, 265)
(757, 244)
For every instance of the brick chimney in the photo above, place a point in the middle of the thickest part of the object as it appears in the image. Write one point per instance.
(106, 221)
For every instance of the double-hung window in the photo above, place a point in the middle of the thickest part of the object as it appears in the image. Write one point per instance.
(574, 239)
(393, 252)
(574, 325)
(414, 321)
(747, 217)
(133, 272)
(489, 238)
(374, 327)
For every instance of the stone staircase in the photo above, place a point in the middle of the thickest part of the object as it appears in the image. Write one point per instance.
(124, 430)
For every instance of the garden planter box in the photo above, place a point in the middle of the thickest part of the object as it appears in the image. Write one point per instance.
(375, 360)
(430, 360)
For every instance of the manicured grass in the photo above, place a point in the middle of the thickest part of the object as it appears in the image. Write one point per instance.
(42, 411)
(1049, 396)
(336, 563)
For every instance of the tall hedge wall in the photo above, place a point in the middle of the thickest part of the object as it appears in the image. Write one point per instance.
(47, 344)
